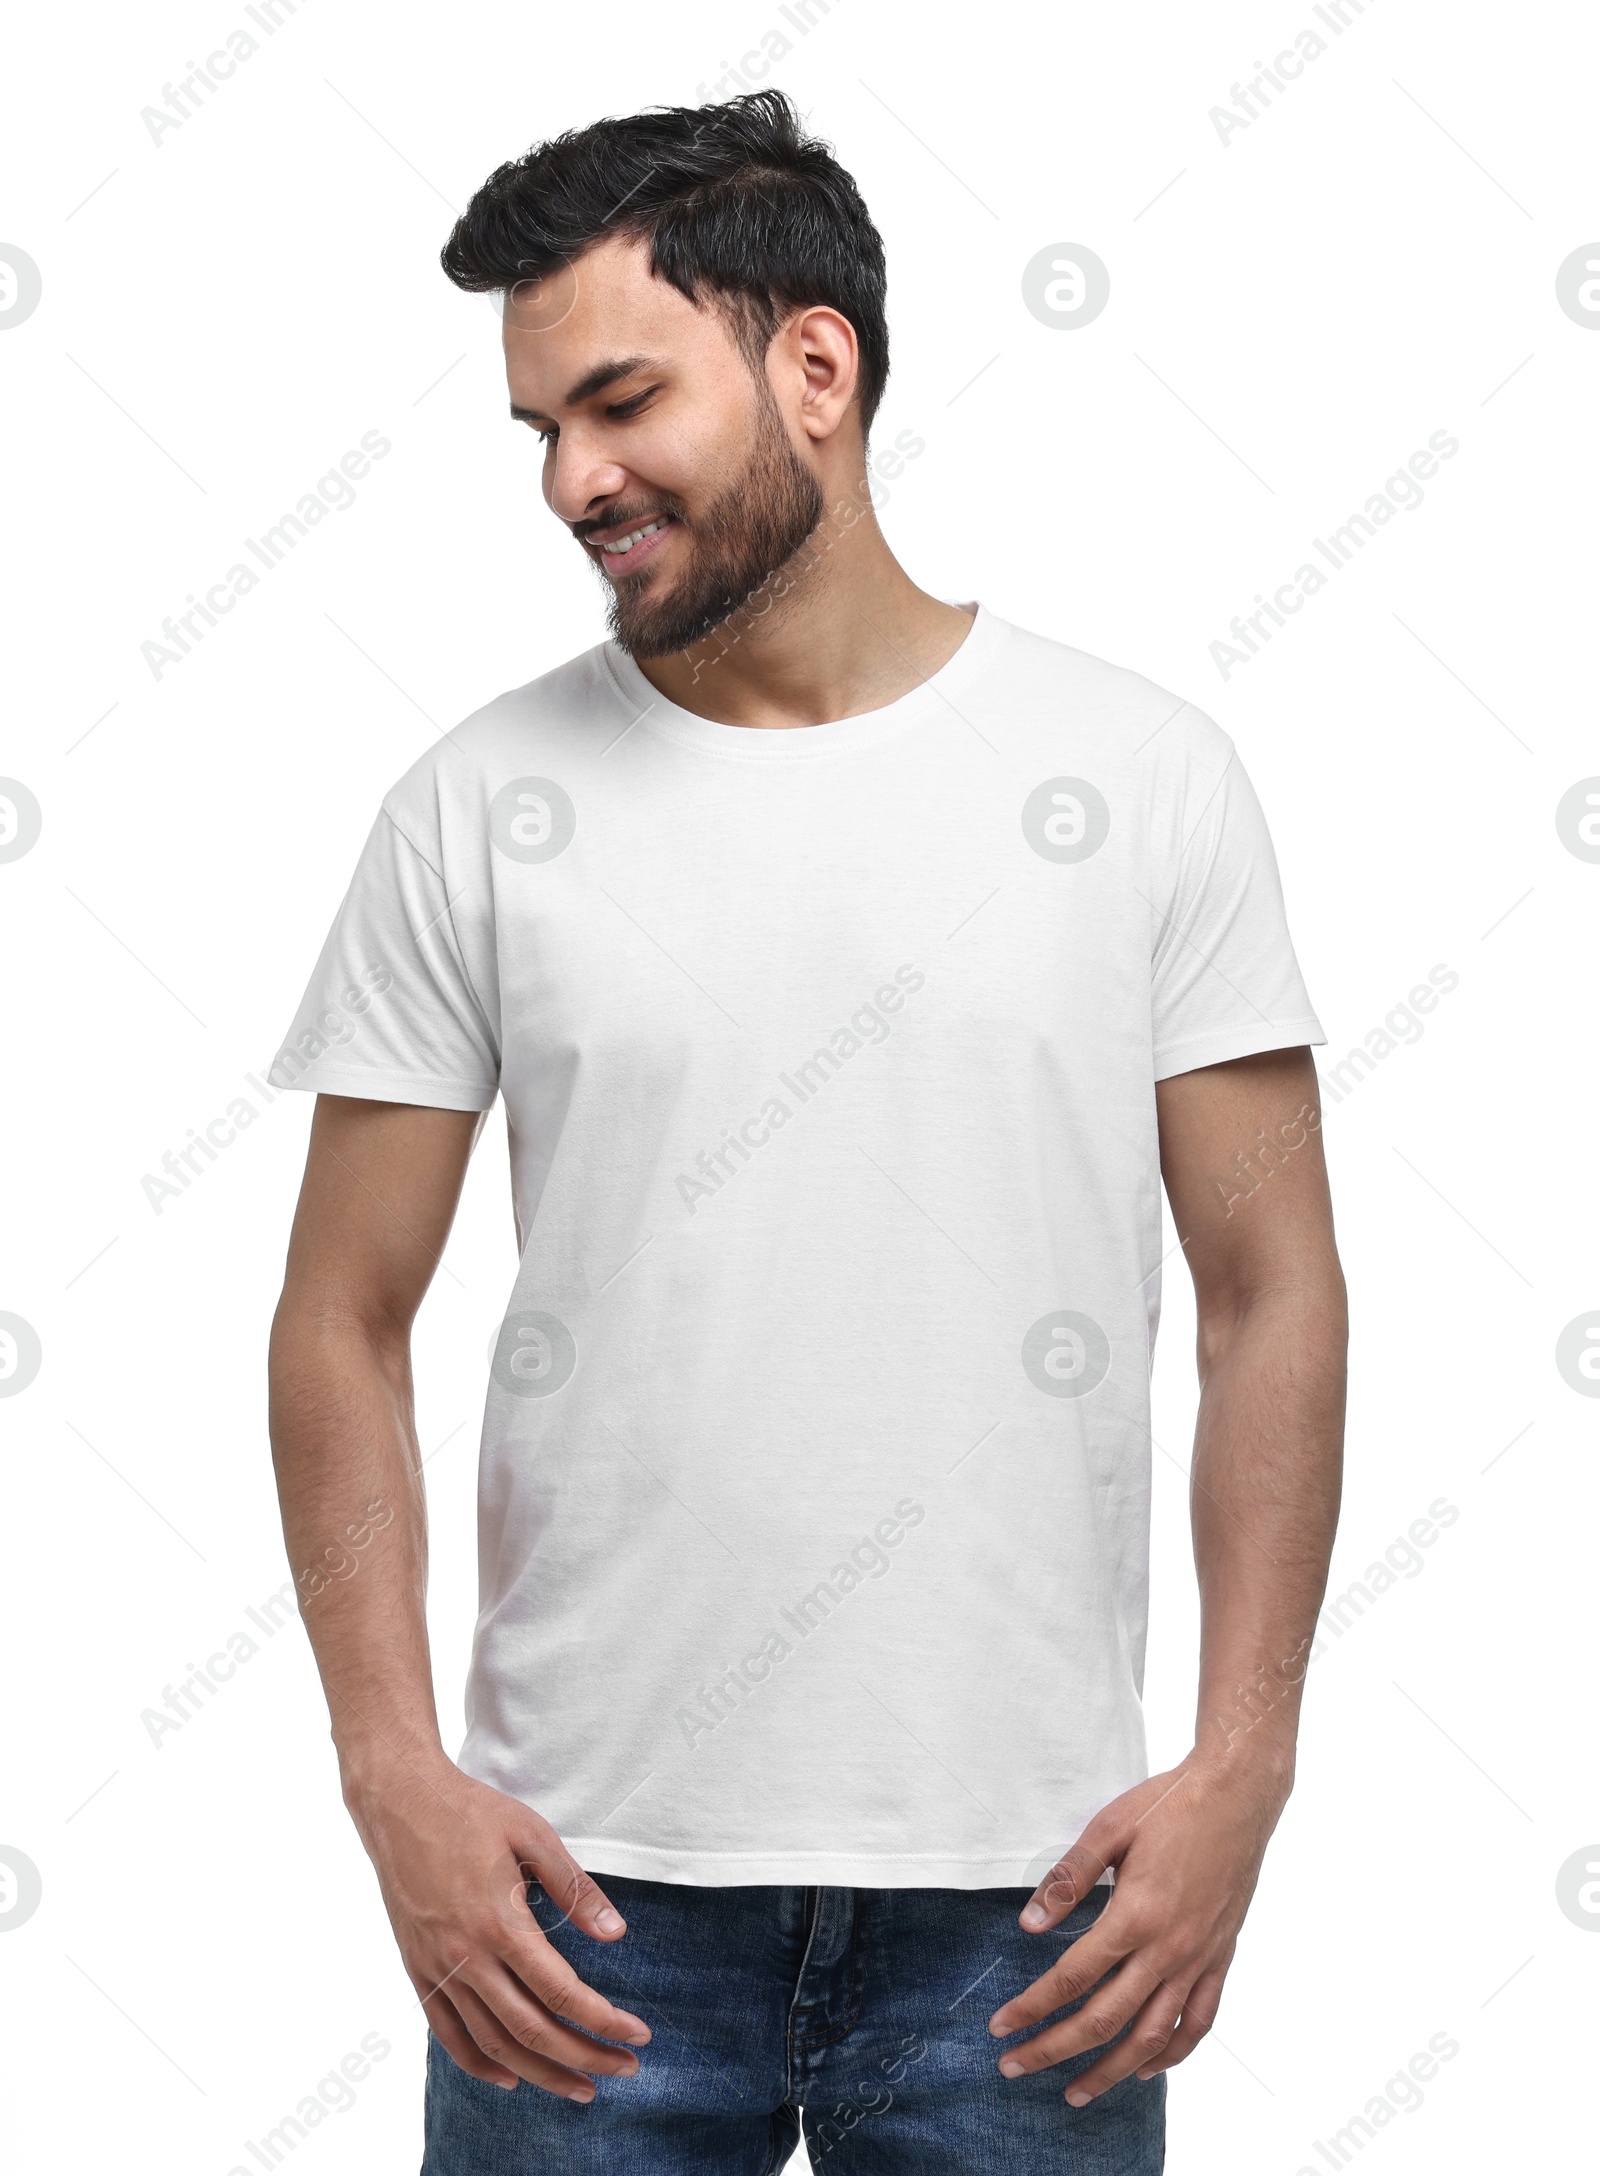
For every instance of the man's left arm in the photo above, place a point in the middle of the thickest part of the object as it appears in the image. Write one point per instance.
(1241, 1154)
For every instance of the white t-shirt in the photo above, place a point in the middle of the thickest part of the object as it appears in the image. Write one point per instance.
(815, 1465)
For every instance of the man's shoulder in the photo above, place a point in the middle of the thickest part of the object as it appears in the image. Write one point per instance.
(1129, 712)
(563, 713)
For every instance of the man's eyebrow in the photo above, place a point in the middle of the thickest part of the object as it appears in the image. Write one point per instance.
(596, 381)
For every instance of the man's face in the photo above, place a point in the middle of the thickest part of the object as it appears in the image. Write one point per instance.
(652, 420)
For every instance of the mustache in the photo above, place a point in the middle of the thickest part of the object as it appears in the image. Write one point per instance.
(625, 518)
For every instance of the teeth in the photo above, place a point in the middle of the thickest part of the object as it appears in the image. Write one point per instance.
(627, 543)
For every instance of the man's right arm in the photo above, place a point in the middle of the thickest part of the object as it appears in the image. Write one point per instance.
(453, 1856)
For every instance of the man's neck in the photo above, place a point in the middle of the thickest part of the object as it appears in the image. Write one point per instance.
(850, 633)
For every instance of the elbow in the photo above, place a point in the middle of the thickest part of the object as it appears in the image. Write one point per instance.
(1308, 1312)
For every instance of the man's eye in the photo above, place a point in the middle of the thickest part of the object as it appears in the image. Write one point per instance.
(545, 437)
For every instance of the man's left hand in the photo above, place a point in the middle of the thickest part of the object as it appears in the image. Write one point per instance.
(1187, 1847)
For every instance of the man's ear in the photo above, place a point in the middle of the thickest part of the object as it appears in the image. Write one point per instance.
(821, 367)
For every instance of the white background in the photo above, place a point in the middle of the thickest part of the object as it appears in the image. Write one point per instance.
(1292, 314)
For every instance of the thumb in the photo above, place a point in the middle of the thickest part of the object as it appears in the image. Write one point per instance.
(542, 1857)
(1077, 1870)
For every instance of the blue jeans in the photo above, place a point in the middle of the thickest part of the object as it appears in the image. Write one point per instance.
(864, 2011)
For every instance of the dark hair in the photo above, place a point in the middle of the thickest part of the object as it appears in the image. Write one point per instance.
(735, 200)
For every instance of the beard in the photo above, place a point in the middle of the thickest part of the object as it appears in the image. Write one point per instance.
(744, 537)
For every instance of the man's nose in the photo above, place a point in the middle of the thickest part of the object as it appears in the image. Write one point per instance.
(582, 481)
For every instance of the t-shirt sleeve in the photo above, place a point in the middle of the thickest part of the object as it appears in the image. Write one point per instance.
(1225, 982)
(392, 1010)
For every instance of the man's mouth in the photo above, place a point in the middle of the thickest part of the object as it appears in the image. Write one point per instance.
(622, 550)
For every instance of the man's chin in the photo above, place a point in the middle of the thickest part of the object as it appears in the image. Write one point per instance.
(662, 627)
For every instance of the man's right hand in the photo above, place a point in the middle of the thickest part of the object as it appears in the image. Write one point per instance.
(454, 1859)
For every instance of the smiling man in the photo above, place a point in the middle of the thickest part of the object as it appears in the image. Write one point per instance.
(855, 967)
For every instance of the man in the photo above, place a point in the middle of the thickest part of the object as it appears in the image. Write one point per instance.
(854, 966)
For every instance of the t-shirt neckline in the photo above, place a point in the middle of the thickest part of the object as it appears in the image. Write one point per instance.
(657, 714)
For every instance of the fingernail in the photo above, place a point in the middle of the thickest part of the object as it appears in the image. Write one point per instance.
(609, 1921)
(581, 2092)
(1034, 1916)
(1010, 2069)
(638, 2037)
(1077, 2099)
(510, 2084)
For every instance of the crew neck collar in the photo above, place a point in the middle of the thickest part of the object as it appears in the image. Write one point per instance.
(655, 713)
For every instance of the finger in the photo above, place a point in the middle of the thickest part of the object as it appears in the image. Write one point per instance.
(547, 1976)
(1070, 1978)
(544, 1860)
(1099, 2020)
(1199, 2015)
(1076, 1872)
(1148, 2036)
(453, 2036)
(1063, 1889)
(502, 2047)
(575, 1894)
(534, 2027)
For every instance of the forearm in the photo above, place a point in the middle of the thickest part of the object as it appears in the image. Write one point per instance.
(1264, 1504)
(354, 1515)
